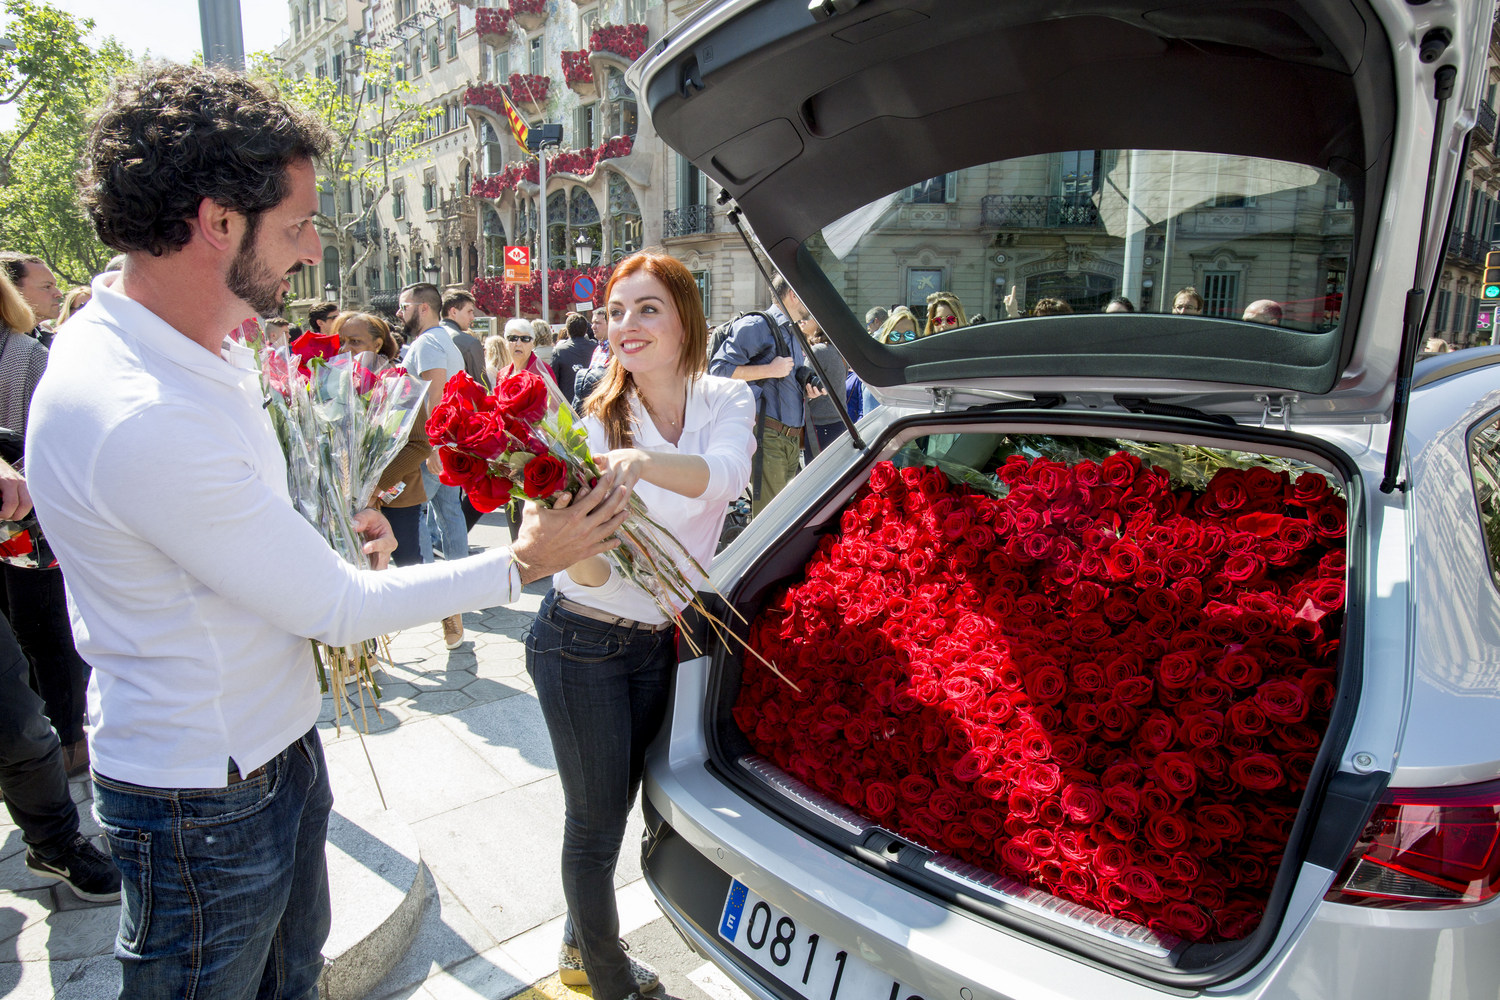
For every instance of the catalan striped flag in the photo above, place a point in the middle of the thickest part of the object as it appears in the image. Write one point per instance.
(518, 127)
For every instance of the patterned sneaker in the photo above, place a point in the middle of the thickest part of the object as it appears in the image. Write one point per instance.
(570, 970)
(83, 868)
(453, 631)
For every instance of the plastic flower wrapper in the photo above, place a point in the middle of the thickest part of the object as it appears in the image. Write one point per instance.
(339, 424)
(524, 441)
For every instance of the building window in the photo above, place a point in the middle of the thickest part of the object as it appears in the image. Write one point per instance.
(536, 57)
(434, 50)
(621, 118)
(635, 11)
(583, 127)
(625, 218)
(452, 42)
(1440, 314)
(589, 20)
(416, 62)
(704, 281)
(398, 204)
(1221, 293)
(939, 190)
(692, 186)
(372, 278)
(920, 283)
(429, 191)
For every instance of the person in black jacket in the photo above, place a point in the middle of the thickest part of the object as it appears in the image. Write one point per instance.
(573, 353)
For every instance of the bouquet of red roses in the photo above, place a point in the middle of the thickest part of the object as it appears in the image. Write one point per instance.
(523, 441)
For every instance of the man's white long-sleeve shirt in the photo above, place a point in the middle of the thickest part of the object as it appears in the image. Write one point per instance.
(193, 584)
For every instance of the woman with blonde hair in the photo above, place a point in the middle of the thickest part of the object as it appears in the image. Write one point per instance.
(600, 651)
(75, 300)
(520, 341)
(900, 327)
(944, 312)
(496, 355)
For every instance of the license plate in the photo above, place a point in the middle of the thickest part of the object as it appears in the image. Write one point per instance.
(809, 964)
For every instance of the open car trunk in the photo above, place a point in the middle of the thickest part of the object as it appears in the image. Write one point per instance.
(1087, 680)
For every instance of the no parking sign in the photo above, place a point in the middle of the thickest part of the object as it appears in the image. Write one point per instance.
(583, 289)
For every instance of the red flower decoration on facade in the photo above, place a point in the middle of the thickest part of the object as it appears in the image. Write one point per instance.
(528, 6)
(492, 20)
(530, 88)
(576, 67)
(627, 40)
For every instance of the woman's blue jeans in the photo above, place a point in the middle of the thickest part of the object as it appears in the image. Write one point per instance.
(603, 691)
(224, 890)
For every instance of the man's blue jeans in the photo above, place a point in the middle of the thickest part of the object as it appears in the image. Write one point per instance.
(445, 518)
(225, 890)
(603, 692)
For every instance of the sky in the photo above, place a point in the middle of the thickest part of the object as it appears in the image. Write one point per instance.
(168, 29)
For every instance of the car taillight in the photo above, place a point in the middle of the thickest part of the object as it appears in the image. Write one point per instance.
(1426, 848)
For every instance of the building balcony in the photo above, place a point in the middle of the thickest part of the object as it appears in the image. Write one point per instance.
(529, 91)
(1465, 248)
(625, 41)
(1484, 124)
(529, 14)
(1029, 211)
(578, 73)
(493, 25)
(366, 233)
(690, 221)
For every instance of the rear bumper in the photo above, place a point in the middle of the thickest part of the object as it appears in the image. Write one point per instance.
(704, 834)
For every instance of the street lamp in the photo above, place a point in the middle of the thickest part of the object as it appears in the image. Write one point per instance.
(584, 250)
(329, 291)
(433, 271)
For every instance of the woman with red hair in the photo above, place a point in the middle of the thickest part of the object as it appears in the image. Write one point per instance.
(600, 651)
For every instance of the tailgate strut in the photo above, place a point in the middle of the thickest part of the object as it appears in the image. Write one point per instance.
(1411, 319)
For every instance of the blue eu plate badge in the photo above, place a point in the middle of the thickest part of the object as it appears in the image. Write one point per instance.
(734, 909)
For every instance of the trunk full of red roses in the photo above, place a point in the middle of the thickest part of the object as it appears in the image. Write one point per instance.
(1093, 669)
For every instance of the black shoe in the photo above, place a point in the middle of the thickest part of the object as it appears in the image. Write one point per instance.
(83, 868)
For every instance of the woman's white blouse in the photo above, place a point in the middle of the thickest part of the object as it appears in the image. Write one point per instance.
(719, 426)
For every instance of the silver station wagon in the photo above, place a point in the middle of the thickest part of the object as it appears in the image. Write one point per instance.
(1144, 639)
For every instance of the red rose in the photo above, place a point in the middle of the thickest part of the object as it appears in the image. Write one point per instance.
(1083, 804)
(460, 469)
(1258, 772)
(489, 493)
(523, 395)
(1282, 701)
(1168, 831)
(880, 797)
(464, 391)
(1176, 773)
(313, 345)
(446, 423)
(483, 434)
(1328, 520)
(543, 476)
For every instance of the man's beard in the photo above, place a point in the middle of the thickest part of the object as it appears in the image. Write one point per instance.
(413, 323)
(254, 283)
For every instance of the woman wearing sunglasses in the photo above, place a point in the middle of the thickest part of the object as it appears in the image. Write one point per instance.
(944, 312)
(520, 340)
(900, 327)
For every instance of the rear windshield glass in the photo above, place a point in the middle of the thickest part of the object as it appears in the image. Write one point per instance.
(1233, 237)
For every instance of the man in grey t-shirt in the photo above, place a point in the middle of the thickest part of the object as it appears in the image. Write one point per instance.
(434, 357)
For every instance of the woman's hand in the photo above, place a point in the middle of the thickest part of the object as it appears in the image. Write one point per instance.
(630, 465)
(380, 541)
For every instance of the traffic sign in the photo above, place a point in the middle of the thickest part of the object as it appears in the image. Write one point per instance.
(517, 266)
(1490, 291)
(583, 288)
(1484, 321)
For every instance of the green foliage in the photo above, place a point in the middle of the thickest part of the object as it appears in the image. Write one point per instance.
(376, 121)
(53, 78)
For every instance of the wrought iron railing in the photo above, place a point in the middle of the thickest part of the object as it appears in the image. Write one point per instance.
(687, 221)
(1465, 247)
(1034, 211)
(1484, 124)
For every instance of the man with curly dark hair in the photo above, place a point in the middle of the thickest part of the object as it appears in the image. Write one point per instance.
(195, 585)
